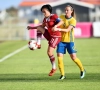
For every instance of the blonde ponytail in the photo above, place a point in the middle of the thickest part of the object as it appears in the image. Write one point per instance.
(73, 11)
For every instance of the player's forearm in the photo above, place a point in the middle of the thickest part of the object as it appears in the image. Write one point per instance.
(32, 27)
(67, 29)
(59, 24)
(64, 30)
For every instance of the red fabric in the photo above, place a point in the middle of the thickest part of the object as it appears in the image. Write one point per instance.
(52, 41)
(50, 23)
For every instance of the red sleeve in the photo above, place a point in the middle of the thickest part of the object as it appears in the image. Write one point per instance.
(55, 16)
(44, 21)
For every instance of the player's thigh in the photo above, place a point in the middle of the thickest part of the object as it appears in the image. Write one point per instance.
(41, 29)
(60, 54)
(54, 41)
(71, 48)
(47, 35)
(61, 48)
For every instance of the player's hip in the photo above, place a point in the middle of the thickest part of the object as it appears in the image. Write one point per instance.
(63, 46)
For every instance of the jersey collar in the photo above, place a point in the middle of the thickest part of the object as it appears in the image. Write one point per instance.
(48, 18)
(68, 18)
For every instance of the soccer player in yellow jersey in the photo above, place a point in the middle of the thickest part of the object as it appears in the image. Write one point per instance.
(67, 41)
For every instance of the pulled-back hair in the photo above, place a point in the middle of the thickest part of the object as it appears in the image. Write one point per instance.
(73, 11)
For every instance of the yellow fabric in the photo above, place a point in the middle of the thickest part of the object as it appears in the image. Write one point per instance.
(68, 36)
(61, 65)
(79, 64)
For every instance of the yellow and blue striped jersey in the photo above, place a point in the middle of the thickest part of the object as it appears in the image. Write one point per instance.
(68, 36)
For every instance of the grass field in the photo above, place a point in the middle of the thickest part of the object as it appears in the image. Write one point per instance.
(28, 70)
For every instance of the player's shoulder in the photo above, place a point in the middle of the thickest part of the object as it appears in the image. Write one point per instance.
(54, 15)
(73, 18)
(62, 16)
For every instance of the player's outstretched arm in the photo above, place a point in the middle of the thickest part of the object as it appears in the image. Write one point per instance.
(33, 27)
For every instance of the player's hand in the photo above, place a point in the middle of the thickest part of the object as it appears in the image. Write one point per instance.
(57, 29)
(28, 27)
(54, 28)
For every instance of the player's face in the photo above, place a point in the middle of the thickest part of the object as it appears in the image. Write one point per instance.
(68, 11)
(45, 12)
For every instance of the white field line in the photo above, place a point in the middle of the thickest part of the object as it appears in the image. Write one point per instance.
(13, 53)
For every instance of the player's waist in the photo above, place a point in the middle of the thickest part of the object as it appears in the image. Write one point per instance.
(55, 34)
(67, 40)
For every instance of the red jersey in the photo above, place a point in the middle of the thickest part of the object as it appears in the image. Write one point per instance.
(50, 22)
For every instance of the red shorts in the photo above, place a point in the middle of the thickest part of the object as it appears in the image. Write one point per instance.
(52, 41)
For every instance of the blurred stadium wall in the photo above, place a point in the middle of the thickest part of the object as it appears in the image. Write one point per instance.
(13, 22)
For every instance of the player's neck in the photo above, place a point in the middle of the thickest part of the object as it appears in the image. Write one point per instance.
(68, 17)
(48, 16)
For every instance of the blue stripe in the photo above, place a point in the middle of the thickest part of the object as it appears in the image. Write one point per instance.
(58, 20)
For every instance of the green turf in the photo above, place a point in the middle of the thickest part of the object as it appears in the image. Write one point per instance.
(28, 70)
(7, 47)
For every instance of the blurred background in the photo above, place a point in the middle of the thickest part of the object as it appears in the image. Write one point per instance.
(16, 15)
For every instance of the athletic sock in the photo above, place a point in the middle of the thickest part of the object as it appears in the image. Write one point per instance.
(39, 36)
(79, 64)
(61, 65)
(52, 59)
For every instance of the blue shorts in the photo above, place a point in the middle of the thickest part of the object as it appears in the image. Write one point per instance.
(62, 46)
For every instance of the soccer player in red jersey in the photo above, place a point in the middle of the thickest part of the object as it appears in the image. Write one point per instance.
(50, 20)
